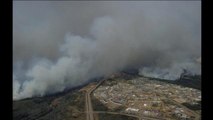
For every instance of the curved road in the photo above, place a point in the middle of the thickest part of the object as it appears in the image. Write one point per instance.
(89, 109)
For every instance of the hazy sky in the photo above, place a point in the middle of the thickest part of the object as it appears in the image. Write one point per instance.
(76, 40)
(39, 27)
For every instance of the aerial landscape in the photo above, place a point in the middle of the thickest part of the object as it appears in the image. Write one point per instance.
(107, 60)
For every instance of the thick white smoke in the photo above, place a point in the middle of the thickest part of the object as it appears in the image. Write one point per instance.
(173, 72)
(160, 39)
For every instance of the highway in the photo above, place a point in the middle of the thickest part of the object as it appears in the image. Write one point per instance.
(89, 109)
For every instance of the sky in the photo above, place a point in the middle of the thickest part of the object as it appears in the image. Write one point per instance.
(61, 44)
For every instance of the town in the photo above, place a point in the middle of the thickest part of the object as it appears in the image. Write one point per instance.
(145, 97)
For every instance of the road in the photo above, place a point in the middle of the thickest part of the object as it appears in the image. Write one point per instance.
(89, 109)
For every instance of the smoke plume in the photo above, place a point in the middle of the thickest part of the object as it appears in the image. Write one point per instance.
(59, 45)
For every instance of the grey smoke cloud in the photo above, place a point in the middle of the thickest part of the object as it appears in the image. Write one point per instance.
(58, 45)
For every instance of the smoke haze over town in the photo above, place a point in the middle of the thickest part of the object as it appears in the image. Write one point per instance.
(59, 45)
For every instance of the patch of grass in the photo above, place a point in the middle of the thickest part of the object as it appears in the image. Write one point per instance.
(193, 106)
(97, 105)
(105, 116)
(51, 107)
